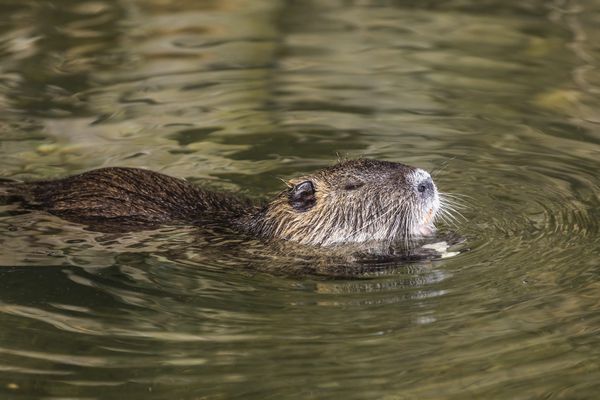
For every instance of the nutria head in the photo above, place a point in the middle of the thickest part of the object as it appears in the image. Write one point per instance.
(352, 202)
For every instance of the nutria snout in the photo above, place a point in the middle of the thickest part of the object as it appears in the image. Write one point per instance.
(354, 201)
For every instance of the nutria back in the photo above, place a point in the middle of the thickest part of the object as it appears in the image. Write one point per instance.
(126, 193)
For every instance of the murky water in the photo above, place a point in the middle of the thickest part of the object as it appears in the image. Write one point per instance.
(501, 98)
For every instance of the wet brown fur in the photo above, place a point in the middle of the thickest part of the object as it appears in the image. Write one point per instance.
(127, 194)
(355, 200)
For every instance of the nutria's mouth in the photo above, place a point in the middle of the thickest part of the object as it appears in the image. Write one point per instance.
(427, 228)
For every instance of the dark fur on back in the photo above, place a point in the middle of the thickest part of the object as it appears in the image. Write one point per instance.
(126, 193)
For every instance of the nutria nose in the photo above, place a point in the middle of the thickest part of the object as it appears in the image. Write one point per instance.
(425, 185)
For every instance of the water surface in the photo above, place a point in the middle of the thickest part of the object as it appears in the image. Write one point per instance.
(499, 98)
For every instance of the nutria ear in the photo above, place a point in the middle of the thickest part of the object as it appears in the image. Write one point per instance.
(302, 196)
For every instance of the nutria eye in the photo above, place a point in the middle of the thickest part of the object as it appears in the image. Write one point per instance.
(353, 185)
(302, 196)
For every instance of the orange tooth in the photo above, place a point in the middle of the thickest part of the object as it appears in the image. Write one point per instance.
(428, 216)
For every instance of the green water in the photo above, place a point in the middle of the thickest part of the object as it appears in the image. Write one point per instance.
(501, 97)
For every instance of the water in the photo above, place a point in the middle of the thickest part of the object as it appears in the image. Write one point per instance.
(500, 97)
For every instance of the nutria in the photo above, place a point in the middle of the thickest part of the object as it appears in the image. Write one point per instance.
(354, 201)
